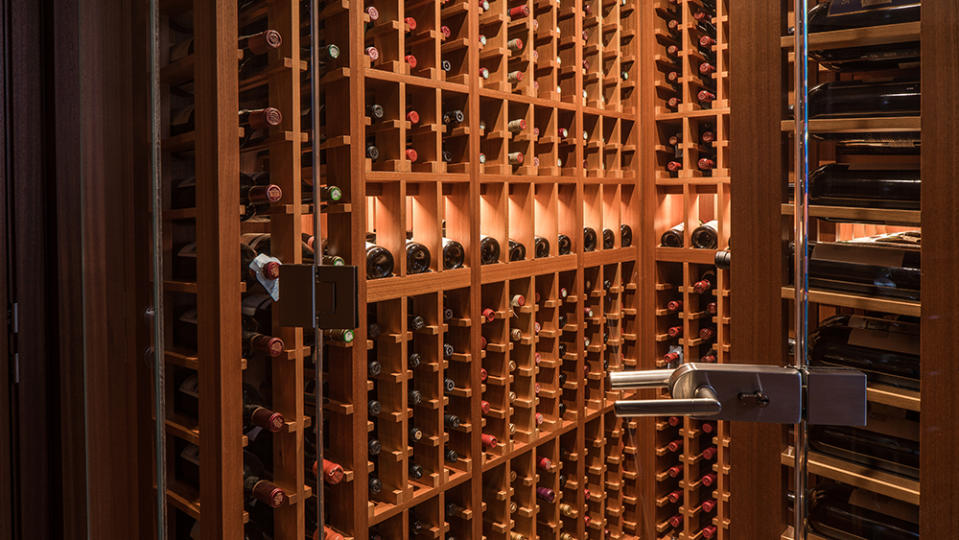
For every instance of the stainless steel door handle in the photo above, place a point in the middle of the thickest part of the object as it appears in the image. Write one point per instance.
(747, 392)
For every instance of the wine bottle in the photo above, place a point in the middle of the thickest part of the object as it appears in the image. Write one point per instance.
(489, 250)
(564, 244)
(256, 193)
(886, 350)
(841, 99)
(379, 261)
(453, 254)
(706, 282)
(625, 235)
(609, 239)
(866, 267)
(879, 451)
(541, 247)
(841, 511)
(894, 56)
(836, 15)
(417, 258)
(517, 251)
(589, 239)
(674, 236)
(375, 112)
(187, 402)
(705, 236)
(839, 184)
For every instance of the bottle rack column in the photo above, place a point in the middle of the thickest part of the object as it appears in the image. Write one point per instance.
(688, 163)
(202, 288)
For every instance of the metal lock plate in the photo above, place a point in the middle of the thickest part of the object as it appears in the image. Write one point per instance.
(318, 296)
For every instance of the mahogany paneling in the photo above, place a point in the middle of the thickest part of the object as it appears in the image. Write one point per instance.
(756, 90)
(940, 316)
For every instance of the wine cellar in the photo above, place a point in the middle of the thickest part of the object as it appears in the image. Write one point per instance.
(486, 289)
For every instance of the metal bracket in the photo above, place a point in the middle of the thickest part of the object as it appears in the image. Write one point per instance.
(748, 392)
(323, 297)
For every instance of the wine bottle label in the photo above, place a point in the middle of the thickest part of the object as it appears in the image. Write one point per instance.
(848, 7)
(264, 267)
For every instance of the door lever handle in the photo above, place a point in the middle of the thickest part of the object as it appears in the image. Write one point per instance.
(748, 392)
(650, 378)
(703, 402)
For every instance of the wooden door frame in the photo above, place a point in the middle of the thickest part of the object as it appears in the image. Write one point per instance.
(68, 181)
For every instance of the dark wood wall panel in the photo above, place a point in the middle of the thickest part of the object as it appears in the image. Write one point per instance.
(756, 104)
(940, 311)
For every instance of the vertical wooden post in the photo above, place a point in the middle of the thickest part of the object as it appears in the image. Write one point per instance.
(756, 91)
(218, 293)
(940, 317)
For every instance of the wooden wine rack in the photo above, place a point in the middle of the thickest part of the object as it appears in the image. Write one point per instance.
(214, 154)
(690, 196)
(584, 84)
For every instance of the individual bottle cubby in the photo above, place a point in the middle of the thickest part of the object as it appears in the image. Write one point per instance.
(594, 491)
(386, 127)
(567, 132)
(495, 141)
(454, 437)
(499, 366)
(426, 520)
(457, 512)
(520, 50)
(548, 415)
(522, 134)
(425, 250)
(524, 388)
(383, 39)
(613, 485)
(546, 141)
(521, 217)
(545, 224)
(611, 148)
(388, 404)
(386, 239)
(629, 471)
(570, 481)
(424, 130)
(545, 43)
(423, 40)
(494, 245)
(455, 226)
(549, 470)
(701, 149)
(525, 497)
(497, 491)
(391, 527)
(455, 42)
(428, 389)
(456, 132)
(592, 136)
(570, 322)
(493, 53)
(593, 333)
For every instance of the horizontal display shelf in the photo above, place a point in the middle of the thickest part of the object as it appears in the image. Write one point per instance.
(854, 214)
(890, 485)
(835, 298)
(880, 124)
(859, 37)
(892, 396)
(788, 535)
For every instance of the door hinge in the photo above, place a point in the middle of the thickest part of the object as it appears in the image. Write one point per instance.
(14, 331)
